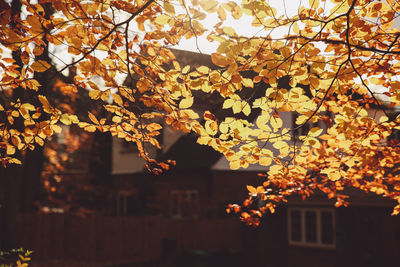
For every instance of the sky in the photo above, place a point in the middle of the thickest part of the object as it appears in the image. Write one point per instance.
(242, 27)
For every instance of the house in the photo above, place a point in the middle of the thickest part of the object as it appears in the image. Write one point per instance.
(144, 217)
(300, 233)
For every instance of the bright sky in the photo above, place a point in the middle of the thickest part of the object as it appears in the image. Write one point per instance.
(242, 27)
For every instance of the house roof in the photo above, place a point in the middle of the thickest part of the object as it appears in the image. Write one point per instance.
(190, 155)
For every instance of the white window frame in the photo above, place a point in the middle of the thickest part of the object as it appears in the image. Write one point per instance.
(303, 241)
(179, 194)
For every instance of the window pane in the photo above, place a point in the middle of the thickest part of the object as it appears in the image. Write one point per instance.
(326, 227)
(311, 226)
(194, 204)
(295, 226)
(121, 205)
(185, 204)
(131, 206)
(174, 205)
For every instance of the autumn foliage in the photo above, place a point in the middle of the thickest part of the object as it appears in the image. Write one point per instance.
(339, 58)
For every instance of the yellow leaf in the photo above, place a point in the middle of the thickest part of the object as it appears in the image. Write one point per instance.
(315, 131)
(276, 123)
(169, 8)
(10, 150)
(383, 119)
(301, 119)
(68, 119)
(221, 13)
(142, 86)
(237, 107)
(186, 103)
(252, 189)
(36, 26)
(211, 127)
(280, 144)
(246, 109)
(90, 128)
(56, 128)
(39, 140)
(228, 103)
(118, 100)
(162, 19)
(45, 103)
(295, 28)
(40, 66)
(229, 31)
(265, 161)
(151, 51)
(189, 113)
(15, 140)
(234, 165)
(186, 69)
(219, 60)
(95, 94)
(203, 69)
(314, 4)
(224, 127)
(209, 5)
(334, 175)
(38, 50)
(93, 118)
(117, 119)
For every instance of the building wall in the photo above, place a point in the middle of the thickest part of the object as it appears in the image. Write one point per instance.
(365, 236)
(126, 161)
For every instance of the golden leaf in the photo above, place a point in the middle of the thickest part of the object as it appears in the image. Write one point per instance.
(221, 13)
(314, 4)
(162, 19)
(228, 103)
(219, 60)
(93, 118)
(169, 8)
(209, 5)
(118, 100)
(186, 103)
(40, 66)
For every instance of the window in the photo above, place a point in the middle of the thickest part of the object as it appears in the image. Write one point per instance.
(124, 204)
(311, 227)
(184, 204)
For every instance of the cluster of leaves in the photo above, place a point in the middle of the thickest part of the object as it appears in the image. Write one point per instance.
(22, 255)
(333, 53)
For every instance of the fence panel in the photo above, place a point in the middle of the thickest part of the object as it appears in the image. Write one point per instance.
(121, 239)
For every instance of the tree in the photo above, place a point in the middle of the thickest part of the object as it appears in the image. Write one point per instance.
(334, 55)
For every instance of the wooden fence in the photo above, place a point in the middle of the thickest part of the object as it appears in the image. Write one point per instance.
(101, 239)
